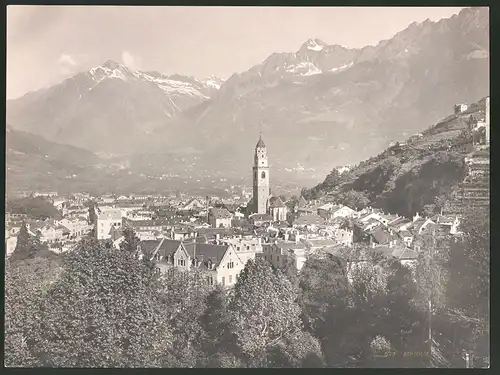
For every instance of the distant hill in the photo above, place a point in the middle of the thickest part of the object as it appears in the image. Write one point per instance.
(31, 159)
(417, 174)
(21, 142)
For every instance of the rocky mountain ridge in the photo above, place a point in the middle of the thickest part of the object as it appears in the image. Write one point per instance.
(320, 106)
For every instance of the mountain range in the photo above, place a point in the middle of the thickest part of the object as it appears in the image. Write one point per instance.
(321, 106)
(108, 107)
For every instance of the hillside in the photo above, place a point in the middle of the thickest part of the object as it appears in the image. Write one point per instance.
(417, 175)
(32, 162)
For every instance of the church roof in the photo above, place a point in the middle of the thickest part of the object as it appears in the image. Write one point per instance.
(260, 143)
(276, 202)
(302, 202)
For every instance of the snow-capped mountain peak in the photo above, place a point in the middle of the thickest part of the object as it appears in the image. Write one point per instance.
(110, 69)
(213, 81)
(111, 64)
(314, 45)
(171, 84)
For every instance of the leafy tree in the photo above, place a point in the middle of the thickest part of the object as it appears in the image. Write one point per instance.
(469, 277)
(103, 311)
(323, 287)
(130, 242)
(26, 284)
(289, 269)
(266, 317)
(332, 178)
(347, 223)
(26, 246)
(404, 324)
(183, 300)
(35, 207)
(218, 345)
(307, 194)
(292, 203)
(92, 206)
(353, 199)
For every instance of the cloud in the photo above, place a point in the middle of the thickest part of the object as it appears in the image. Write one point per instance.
(131, 61)
(66, 59)
(71, 64)
(67, 64)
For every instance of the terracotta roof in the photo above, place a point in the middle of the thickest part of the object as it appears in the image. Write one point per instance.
(166, 246)
(261, 217)
(384, 250)
(404, 253)
(406, 233)
(321, 242)
(110, 215)
(214, 231)
(400, 221)
(337, 220)
(381, 236)
(289, 245)
(309, 220)
(370, 221)
(443, 220)
(327, 207)
(220, 213)
(390, 218)
(204, 252)
(149, 245)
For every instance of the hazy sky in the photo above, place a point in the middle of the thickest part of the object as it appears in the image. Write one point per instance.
(46, 44)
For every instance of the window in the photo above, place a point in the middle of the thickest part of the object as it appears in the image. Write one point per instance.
(263, 175)
(278, 258)
(157, 256)
(181, 262)
(230, 279)
(210, 280)
(158, 270)
(230, 265)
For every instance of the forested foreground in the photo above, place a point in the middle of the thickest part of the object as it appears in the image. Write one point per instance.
(98, 307)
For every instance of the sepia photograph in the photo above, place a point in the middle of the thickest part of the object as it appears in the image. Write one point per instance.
(247, 187)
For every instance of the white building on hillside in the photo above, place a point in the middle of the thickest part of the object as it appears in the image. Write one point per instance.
(106, 220)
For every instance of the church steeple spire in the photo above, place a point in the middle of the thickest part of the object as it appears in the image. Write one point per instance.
(260, 143)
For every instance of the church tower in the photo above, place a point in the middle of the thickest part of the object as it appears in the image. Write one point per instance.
(261, 189)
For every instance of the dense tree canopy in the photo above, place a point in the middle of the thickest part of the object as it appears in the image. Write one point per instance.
(26, 284)
(34, 207)
(103, 307)
(130, 242)
(354, 199)
(266, 318)
(104, 311)
(28, 246)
